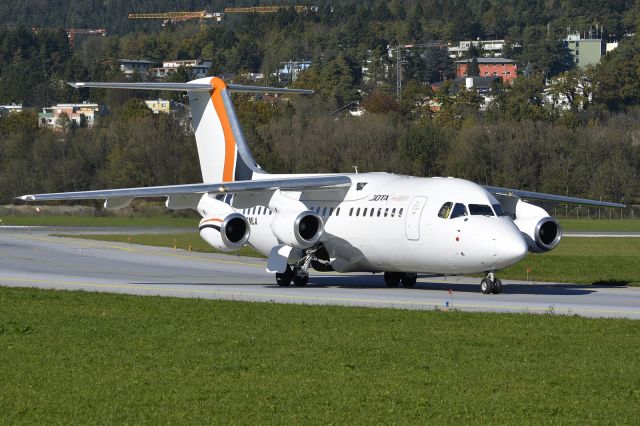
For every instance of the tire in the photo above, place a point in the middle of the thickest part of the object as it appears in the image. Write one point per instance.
(409, 280)
(498, 286)
(300, 280)
(392, 279)
(486, 286)
(284, 279)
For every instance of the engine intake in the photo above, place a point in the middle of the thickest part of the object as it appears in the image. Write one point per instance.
(541, 232)
(298, 229)
(226, 234)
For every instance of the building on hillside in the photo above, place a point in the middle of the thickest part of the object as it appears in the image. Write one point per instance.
(164, 106)
(81, 115)
(490, 67)
(289, 71)
(132, 66)
(487, 47)
(197, 68)
(483, 85)
(584, 49)
(9, 108)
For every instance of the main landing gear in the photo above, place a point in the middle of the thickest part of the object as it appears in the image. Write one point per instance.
(393, 279)
(299, 273)
(490, 284)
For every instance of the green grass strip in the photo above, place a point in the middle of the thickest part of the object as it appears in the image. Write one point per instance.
(87, 358)
(115, 221)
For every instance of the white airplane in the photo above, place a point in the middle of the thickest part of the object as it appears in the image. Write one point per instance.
(346, 222)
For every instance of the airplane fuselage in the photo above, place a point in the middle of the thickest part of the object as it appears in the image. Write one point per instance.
(387, 222)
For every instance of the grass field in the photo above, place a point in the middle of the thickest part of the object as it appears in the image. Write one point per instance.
(610, 261)
(629, 225)
(115, 221)
(86, 358)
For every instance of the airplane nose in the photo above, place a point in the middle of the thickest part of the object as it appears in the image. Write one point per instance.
(513, 247)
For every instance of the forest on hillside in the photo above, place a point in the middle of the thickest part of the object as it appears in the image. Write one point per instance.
(591, 148)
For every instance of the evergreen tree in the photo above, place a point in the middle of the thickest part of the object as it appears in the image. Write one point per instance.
(473, 69)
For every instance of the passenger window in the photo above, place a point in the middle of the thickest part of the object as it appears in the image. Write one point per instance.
(253, 211)
(351, 211)
(364, 212)
(459, 210)
(445, 210)
(358, 212)
(338, 211)
(379, 211)
(372, 212)
(386, 211)
(324, 211)
(400, 213)
(498, 209)
(480, 210)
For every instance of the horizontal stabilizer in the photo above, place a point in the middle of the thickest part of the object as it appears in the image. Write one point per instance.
(190, 87)
(298, 183)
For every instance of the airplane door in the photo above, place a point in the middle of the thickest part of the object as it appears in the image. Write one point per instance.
(412, 221)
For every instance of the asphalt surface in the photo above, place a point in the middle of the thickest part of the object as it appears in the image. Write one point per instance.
(30, 257)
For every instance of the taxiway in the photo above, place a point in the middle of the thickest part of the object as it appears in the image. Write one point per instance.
(30, 257)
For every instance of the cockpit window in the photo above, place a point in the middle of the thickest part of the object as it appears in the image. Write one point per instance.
(445, 210)
(480, 210)
(459, 210)
(498, 209)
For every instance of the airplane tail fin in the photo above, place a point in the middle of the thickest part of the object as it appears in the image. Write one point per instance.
(222, 149)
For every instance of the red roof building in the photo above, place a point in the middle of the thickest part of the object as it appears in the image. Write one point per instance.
(490, 67)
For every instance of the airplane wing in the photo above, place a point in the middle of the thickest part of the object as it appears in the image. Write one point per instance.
(499, 192)
(293, 183)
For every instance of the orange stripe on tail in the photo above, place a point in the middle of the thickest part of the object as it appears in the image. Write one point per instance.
(229, 140)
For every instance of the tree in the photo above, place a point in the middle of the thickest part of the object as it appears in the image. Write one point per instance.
(474, 69)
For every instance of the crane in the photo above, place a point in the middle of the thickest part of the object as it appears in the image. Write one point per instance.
(178, 16)
(203, 14)
(71, 32)
(268, 9)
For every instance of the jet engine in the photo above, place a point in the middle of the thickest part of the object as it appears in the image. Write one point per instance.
(541, 231)
(299, 229)
(225, 234)
(222, 227)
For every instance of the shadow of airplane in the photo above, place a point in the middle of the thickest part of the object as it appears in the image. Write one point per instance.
(433, 283)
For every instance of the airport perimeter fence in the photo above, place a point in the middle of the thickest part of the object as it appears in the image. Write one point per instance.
(591, 213)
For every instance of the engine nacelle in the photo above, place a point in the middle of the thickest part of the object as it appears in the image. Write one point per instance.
(541, 231)
(222, 227)
(225, 234)
(300, 229)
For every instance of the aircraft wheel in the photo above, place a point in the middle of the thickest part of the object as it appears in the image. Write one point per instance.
(409, 279)
(300, 279)
(284, 279)
(486, 286)
(497, 286)
(392, 279)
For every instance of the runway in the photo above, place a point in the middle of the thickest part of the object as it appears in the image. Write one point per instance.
(30, 257)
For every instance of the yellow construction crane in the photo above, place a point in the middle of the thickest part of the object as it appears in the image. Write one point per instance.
(178, 16)
(203, 14)
(267, 9)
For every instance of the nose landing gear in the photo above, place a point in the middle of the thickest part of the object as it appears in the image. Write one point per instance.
(490, 284)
